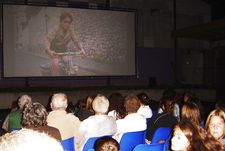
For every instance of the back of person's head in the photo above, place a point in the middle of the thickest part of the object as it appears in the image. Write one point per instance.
(167, 105)
(70, 107)
(169, 93)
(88, 103)
(220, 105)
(106, 143)
(188, 96)
(27, 140)
(190, 112)
(143, 97)
(23, 100)
(132, 103)
(59, 101)
(34, 114)
(116, 102)
(215, 124)
(100, 104)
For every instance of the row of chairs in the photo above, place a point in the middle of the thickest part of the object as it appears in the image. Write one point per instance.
(131, 141)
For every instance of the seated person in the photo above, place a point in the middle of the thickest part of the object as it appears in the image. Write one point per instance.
(27, 140)
(67, 123)
(35, 118)
(106, 143)
(116, 106)
(189, 137)
(85, 108)
(191, 112)
(14, 119)
(215, 125)
(144, 109)
(164, 119)
(96, 125)
(133, 121)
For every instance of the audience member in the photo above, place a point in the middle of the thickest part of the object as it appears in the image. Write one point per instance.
(85, 108)
(144, 109)
(35, 118)
(133, 121)
(14, 119)
(67, 123)
(106, 143)
(188, 96)
(220, 105)
(27, 140)
(70, 108)
(190, 112)
(215, 125)
(154, 105)
(171, 95)
(116, 106)
(97, 125)
(188, 137)
(164, 119)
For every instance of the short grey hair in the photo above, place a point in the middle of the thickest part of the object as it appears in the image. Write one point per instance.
(100, 104)
(59, 101)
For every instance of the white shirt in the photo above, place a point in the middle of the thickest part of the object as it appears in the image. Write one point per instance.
(94, 126)
(145, 110)
(176, 111)
(112, 113)
(131, 123)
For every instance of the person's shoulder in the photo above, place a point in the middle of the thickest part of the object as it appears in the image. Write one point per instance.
(72, 116)
(16, 112)
(52, 128)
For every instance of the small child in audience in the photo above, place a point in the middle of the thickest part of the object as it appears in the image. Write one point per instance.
(106, 143)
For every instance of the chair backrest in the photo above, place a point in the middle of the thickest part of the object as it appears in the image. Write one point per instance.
(68, 144)
(153, 147)
(131, 139)
(147, 120)
(168, 143)
(161, 133)
(90, 143)
(14, 129)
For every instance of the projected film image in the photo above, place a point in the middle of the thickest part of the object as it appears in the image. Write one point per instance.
(53, 41)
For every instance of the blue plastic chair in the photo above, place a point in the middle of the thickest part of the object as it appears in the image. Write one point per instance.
(14, 129)
(147, 120)
(68, 144)
(167, 143)
(161, 133)
(90, 143)
(153, 147)
(131, 139)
